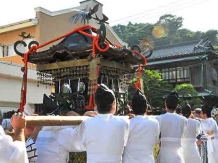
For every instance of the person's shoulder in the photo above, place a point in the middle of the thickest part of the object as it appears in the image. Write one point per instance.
(181, 117)
(191, 120)
(121, 119)
(152, 119)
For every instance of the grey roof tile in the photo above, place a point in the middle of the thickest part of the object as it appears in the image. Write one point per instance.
(177, 50)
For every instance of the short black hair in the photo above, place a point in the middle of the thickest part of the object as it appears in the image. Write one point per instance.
(186, 110)
(139, 103)
(178, 110)
(207, 110)
(104, 98)
(172, 101)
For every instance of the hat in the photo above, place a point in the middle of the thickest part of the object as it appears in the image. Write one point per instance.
(104, 94)
(173, 95)
(6, 124)
(139, 99)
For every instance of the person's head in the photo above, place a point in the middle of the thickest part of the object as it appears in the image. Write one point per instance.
(127, 110)
(206, 111)
(197, 113)
(105, 100)
(178, 110)
(139, 103)
(186, 110)
(172, 101)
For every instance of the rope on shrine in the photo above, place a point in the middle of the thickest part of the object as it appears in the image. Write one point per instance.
(95, 45)
(33, 49)
(140, 70)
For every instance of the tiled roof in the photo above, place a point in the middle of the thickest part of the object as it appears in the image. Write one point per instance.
(16, 60)
(179, 50)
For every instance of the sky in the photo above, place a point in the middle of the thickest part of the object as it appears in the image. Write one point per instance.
(199, 15)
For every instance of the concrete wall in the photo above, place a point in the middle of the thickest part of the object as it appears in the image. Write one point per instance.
(10, 86)
(10, 38)
(54, 24)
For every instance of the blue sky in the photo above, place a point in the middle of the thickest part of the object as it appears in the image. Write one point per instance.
(198, 14)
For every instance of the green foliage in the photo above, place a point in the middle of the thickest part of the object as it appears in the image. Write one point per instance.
(154, 88)
(188, 94)
(174, 33)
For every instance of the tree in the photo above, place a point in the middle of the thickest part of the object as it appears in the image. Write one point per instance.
(171, 23)
(189, 94)
(212, 36)
(154, 88)
(168, 29)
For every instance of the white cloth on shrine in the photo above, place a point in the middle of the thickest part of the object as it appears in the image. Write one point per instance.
(103, 137)
(50, 149)
(190, 149)
(143, 136)
(172, 129)
(210, 125)
(11, 151)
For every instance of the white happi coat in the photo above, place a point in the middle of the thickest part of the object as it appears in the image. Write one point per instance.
(208, 125)
(11, 152)
(50, 148)
(103, 137)
(190, 149)
(172, 128)
(143, 136)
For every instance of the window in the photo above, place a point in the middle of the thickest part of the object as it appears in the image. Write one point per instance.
(8, 50)
(3, 50)
(179, 74)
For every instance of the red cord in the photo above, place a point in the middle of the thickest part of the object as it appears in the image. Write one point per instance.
(35, 48)
(140, 70)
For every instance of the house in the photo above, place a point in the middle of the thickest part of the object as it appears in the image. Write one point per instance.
(45, 26)
(193, 62)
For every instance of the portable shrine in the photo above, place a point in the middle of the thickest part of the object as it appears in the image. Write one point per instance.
(76, 65)
(81, 61)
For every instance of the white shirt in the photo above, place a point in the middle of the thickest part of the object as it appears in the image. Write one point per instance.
(143, 136)
(103, 137)
(191, 153)
(49, 147)
(11, 152)
(172, 128)
(209, 125)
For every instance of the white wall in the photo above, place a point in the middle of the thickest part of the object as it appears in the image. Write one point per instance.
(10, 86)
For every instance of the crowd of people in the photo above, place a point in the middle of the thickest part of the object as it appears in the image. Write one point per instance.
(183, 137)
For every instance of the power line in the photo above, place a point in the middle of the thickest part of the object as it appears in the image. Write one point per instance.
(166, 10)
(146, 11)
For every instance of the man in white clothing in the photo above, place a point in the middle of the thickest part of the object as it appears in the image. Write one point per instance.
(14, 151)
(143, 135)
(172, 128)
(50, 145)
(104, 136)
(191, 153)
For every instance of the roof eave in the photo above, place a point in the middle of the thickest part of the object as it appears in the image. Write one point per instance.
(18, 25)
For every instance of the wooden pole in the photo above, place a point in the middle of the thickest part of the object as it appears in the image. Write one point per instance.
(58, 120)
(54, 120)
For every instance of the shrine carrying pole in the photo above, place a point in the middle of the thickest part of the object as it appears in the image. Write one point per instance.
(56, 120)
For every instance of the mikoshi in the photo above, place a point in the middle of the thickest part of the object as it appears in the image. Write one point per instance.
(75, 66)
